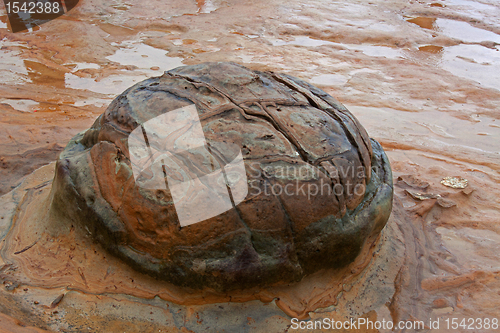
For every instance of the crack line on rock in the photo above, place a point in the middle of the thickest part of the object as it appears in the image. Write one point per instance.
(343, 183)
(290, 225)
(244, 113)
(187, 78)
(221, 161)
(340, 198)
(279, 127)
(340, 108)
(294, 86)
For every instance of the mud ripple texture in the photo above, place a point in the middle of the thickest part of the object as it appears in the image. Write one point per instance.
(280, 123)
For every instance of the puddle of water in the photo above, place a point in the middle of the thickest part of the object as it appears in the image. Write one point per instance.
(111, 85)
(465, 32)
(423, 22)
(440, 131)
(42, 74)
(472, 5)
(116, 30)
(83, 65)
(144, 57)
(329, 79)
(206, 6)
(456, 29)
(189, 41)
(369, 50)
(25, 105)
(302, 41)
(486, 13)
(12, 69)
(150, 61)
(474, 62)
(431, 49)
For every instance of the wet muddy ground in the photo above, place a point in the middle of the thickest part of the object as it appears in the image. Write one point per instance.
(421, 76)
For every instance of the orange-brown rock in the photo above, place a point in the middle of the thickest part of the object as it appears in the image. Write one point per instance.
(318, 186)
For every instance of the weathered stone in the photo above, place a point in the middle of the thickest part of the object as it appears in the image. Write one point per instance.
(318, 186)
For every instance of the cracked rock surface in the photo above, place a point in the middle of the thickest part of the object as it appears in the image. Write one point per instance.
(292, 136)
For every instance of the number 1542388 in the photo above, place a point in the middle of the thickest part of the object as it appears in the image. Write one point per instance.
(33, 7)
